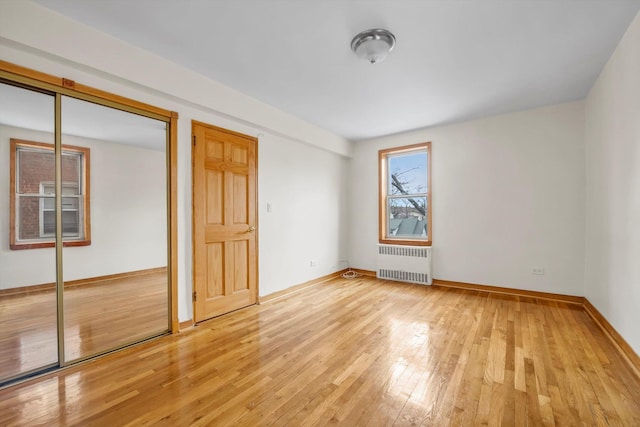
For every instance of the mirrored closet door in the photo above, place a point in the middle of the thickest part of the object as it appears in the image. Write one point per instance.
(84, 227)
(114, 206)
(28, 304)
(115, 210)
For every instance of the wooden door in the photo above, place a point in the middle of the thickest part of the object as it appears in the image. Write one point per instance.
(224, 221)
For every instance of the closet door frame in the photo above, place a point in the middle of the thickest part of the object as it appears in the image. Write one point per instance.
(59, 86)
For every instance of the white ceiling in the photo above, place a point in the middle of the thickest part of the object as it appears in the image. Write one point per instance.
(453, 61)
(28, 109)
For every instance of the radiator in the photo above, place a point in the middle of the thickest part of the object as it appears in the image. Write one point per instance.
(405, 263)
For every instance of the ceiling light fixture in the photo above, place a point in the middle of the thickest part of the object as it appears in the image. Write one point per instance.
(373, 45)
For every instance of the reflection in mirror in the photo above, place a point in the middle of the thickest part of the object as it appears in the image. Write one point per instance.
(116, 285)
(28, 307)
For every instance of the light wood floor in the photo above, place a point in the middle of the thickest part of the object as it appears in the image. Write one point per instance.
(350, 353)
(98, 316)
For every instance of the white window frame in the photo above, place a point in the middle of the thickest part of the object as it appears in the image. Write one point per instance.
(45, 195)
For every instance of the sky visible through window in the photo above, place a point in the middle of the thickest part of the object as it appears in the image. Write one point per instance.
(411, 171)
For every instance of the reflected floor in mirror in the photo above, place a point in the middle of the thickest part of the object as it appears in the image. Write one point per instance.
(353, 353)
(100, 314)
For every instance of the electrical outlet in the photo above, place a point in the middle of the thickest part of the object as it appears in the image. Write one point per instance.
(313, 263)
(538, 271)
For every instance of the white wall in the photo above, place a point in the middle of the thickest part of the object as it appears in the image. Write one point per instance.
(612, 270)
(508, 196)
(128, 215)
(307, 191)
(34, 37)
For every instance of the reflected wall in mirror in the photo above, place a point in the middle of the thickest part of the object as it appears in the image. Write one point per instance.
(116, 289)
(28, 305)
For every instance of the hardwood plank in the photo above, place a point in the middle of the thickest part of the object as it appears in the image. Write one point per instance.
(80, 282)
(509, 291)
(350, 353)
(101, 313)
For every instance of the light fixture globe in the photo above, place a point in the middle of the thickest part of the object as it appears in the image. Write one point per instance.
(373, 45)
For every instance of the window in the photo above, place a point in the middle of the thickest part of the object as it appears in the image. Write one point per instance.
(32, 204)
(70, 210)
(405, 195)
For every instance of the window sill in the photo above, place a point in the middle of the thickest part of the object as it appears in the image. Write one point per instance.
(405, 242)
(40, 245)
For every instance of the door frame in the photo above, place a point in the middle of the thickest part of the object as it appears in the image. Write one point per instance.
(195, 123)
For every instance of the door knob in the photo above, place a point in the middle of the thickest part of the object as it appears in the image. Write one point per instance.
(251, 229)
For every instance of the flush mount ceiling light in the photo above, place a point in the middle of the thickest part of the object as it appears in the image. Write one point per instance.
(373, 45)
